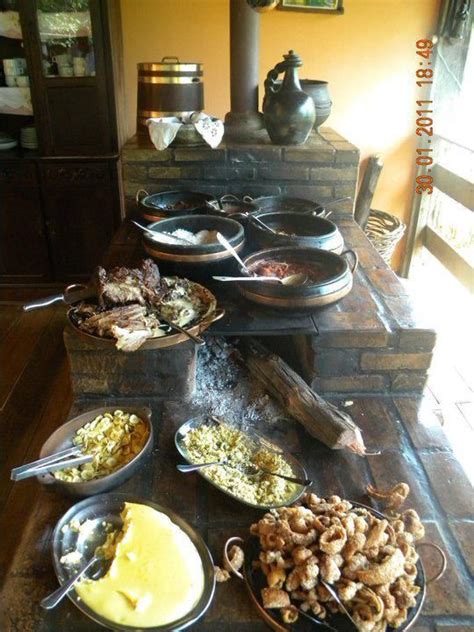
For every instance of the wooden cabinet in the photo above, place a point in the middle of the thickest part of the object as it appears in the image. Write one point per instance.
(24, 255)
(60, 203)
(80, 202)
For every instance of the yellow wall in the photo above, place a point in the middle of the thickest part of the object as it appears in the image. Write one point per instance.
(367, 55)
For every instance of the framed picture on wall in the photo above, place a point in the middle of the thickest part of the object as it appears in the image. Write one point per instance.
(312, 6)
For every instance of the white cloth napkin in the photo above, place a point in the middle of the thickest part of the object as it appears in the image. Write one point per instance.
(163, 130)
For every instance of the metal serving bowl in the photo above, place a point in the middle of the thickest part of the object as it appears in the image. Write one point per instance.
(336, 283)
(296, 466)
(106, 509)
(153, 207)
(195, 262)
(304, 230)
(286, 203)
(230, 206)
(62, 439)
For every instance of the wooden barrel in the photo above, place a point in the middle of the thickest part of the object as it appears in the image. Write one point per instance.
(168, 88)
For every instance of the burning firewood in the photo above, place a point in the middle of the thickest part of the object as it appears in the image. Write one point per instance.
(324, 421)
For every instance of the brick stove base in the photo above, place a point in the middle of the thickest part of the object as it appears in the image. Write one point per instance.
(375, 340)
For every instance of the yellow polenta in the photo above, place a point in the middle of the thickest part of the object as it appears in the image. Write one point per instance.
(156, 575)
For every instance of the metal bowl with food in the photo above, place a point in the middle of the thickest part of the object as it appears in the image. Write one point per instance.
(206, 439)
(92, 523)
(275, 203)
(169, 204)
(201, 259)
(294, 229)
(96, 480)
(231, 206)
(328, 277)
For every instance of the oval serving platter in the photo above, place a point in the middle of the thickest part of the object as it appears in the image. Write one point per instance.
(297, 467)
(105, 510)
(63, 436)
(255, 581)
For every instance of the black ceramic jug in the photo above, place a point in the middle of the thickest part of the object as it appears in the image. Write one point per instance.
(288, 112)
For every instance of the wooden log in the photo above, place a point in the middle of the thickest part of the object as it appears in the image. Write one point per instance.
(367, 190)
(324, 421)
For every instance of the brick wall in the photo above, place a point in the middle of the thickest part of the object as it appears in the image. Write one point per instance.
(323, 169)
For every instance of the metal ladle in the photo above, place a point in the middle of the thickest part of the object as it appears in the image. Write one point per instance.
(223, 241)
(156, 233)
(250, 469)
(292, 279)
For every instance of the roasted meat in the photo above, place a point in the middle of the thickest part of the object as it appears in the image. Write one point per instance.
(129, 325)
(128, 285)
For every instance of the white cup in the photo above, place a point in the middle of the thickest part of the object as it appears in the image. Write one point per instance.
(22, 81)
(16, 66)
(79, 65)
(10, 80)
(65, 71)
(65, 59)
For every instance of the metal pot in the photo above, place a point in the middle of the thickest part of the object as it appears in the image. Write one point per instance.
(308, 231)
(153, 207)
(230, 206)
(335, 285)
(285, 203)
(168, 88)
(197, 262)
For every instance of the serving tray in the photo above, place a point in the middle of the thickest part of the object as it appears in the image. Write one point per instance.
(105, 509)
(297, 467)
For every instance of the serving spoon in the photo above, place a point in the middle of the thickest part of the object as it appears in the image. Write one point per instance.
(291, 279)
(155, 233)
(223, 241)
(249, 469)
(52, 600)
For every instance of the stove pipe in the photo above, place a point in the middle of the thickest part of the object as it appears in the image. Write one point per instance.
(244, 65)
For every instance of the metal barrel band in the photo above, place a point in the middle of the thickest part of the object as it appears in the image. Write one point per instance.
(234, 539)
(444, 561)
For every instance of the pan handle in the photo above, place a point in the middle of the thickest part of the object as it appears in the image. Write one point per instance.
(139, 198)
(49, 300)
(443, 565)
(355, 256)
(248, 198)
(168, 58)
(207, 322)
(229, 197)
(233, 540)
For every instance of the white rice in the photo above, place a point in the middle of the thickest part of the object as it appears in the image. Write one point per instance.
(198, 239)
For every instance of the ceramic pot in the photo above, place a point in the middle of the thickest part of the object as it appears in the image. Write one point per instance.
(319, 92)
(288, 112)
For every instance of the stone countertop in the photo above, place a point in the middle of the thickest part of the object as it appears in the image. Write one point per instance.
(415, 449)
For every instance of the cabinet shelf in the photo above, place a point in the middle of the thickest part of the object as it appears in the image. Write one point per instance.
(16, 101)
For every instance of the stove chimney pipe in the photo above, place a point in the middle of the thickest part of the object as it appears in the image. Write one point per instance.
(244, 69)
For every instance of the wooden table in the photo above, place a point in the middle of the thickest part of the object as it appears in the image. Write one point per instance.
(415, 449)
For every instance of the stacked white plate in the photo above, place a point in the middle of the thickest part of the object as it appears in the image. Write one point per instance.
(28, 138)
(7, 142)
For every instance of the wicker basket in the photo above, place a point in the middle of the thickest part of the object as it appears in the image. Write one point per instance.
(384, 231)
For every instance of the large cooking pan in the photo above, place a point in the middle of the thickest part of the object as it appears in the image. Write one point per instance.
(336, 278)
(73, 294)
(156, 206)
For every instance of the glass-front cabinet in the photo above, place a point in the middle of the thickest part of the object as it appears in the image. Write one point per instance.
(65, 32)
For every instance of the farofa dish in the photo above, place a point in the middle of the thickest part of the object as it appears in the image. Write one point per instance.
(370, 562)
(221, 442)
(113, 439)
